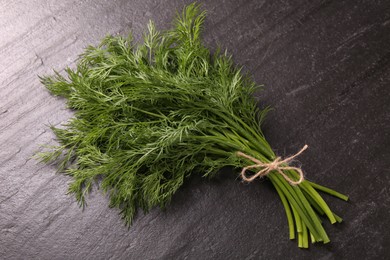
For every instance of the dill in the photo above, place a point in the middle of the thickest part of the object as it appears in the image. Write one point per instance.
(148, 116)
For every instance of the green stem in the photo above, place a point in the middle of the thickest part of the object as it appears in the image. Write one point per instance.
(338, 218)
(288, 212)
(305, 237)
(314, 194)
(254, 140)
(329, 191)
(148, 113)
(300, 240)
(312, 239)
(298, 220)
(313, 202)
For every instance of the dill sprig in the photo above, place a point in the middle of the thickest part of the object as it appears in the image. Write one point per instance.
(147, 116)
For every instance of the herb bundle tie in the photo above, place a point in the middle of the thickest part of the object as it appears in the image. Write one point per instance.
(267, 168)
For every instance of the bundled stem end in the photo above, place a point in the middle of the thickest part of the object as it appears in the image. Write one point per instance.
(298, 197)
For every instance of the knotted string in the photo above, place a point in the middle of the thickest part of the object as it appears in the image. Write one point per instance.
(276, 165)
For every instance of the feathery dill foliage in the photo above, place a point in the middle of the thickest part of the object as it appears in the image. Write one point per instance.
(148, 116)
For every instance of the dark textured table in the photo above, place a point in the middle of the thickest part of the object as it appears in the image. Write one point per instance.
(325, 66)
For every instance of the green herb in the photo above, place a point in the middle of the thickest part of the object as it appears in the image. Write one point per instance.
(148, 116)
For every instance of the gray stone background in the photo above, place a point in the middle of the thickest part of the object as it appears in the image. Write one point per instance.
(325, 66)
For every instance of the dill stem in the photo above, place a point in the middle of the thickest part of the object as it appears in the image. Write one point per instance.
(263, 154)
(287, 208)
(329, 191)
(305, 237)
(298, 220)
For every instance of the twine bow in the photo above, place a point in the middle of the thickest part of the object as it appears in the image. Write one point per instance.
(276, 165)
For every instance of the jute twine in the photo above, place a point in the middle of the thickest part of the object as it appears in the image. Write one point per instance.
(276, 165)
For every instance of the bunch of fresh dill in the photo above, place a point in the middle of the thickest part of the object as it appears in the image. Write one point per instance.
(148, 116)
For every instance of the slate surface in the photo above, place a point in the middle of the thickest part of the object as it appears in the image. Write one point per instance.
(326, 70)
